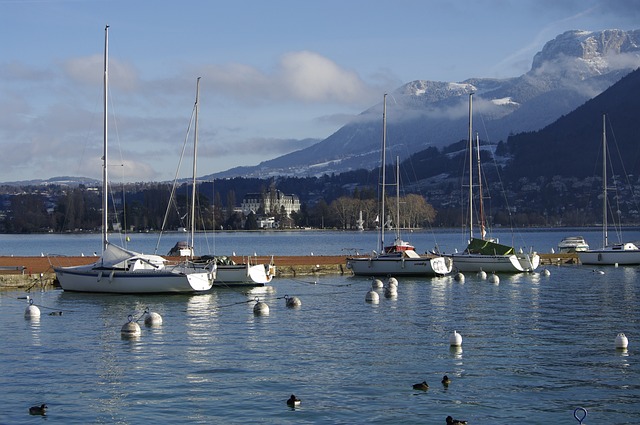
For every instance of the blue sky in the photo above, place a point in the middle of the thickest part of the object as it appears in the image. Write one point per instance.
(273, 72)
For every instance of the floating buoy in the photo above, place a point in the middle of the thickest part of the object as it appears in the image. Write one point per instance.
(261, 309)
(152, 319)
(546, 272)
(130, 329)
(494, 278)
(391, 292)
(482, 274)
(372, 297)
(622, 341)
(393, 282)
(377, 284)
(459, 277)
(455, 340)
(31, 311)
(292, 302)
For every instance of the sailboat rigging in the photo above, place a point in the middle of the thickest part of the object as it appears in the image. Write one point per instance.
(400, 258)
(483, 254)
(626, 253)
(120, 270)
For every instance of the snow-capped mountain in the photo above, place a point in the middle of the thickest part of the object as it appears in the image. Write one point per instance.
(570, 69)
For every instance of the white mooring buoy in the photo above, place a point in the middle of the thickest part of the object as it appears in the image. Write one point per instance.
(372, 297)
(292, 302)
(622, 342)
(546, 272)
(377, 284)
(261, 309)
(32, 311)
(482, 275)
(392, 282)
(131, 329)
(494, 278)
(459, 277)
(391, 292)
(152, 319)
(455, 340)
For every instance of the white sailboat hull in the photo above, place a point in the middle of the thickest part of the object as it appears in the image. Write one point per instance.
(94, 279)
(618, 254)
(495, 263)
(399, 266)
(242, 275)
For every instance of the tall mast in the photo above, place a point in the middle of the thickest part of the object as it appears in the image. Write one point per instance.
(384, 163)
(195, 151)
(605, 237)
(105, 196)
(483, 232)
(397, 197)
(470, 166)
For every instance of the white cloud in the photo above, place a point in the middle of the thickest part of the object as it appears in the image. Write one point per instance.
(302, 76)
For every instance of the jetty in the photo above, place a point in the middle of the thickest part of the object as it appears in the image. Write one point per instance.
(21, 272)
(26, 272)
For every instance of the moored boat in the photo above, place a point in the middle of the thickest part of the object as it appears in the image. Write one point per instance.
(483, 254)
(119, 270)
(572, 244)
(626, 253)
(399, 259)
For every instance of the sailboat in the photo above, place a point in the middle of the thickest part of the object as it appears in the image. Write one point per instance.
(483, 254)
(119, 270)
(226, 272)
(620, 253)
(399, 258)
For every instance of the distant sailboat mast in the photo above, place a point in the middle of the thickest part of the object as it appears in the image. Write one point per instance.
(483, 230)
(605, 236)
(105, 195)
(383, 219)
(470, 166)
(195, 165)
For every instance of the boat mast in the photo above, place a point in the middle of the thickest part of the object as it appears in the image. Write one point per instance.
(105, 197)
(483, 231)
(605, 237)
(470, 166)
(384, 177)
(195, 151)
(397, 198)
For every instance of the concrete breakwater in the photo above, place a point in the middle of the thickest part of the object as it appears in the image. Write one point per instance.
(21, 272)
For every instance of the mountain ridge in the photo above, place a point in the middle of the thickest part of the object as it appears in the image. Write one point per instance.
(572, 68)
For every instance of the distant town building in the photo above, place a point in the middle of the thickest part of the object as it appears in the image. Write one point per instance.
(274, 202)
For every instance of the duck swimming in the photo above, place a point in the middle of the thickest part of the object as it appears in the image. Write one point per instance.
(38, 410)
(421, 386)
(445, 380)
(451, 421)
(293, 401)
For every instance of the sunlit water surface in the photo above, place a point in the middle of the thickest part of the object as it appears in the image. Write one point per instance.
(534, 349)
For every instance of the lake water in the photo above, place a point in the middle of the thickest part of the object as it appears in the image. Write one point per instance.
(534, 347)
